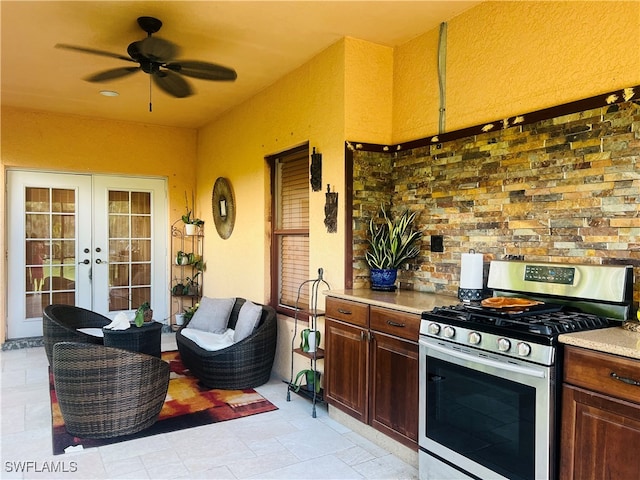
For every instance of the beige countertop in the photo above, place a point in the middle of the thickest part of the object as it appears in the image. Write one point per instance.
(614, 340)
(404, 300)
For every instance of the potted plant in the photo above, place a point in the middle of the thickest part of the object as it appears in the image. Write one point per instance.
(191, 224)
(191, 285)
(391, 243)
(189, 311)
(143, 314)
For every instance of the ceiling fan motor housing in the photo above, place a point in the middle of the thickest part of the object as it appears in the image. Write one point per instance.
(149, 24)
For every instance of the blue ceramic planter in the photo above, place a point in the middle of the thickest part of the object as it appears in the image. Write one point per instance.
(383, 279)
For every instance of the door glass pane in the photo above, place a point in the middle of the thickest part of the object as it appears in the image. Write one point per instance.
(50, 248)
(129, 249)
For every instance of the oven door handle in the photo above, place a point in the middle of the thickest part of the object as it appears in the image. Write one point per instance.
(532, 372)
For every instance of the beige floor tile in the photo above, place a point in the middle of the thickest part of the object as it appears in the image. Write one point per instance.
(286, 443)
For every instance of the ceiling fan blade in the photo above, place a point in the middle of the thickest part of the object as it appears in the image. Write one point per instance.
(172, 83)
(203, 70)
(112, 74)
(157, 50)
(93, 51)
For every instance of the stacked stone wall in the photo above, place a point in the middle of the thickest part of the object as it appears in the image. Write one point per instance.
(564, 189)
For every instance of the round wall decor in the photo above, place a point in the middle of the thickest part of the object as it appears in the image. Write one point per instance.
(224, 207)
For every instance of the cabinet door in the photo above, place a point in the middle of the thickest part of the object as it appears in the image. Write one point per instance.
(600, 435)
(394, 401)
(346, 364)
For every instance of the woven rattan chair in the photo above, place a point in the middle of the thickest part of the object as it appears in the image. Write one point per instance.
(60, 323)
(245, 364)
(106, 392)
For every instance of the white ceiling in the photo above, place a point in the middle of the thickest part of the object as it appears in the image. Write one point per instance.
(261, 40)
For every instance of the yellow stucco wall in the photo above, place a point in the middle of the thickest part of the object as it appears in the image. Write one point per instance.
(508, 58)
(306, 105)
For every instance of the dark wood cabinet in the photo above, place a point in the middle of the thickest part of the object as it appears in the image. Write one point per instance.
(600, 416)
(394, 390)
(371, 366)
(346, 368)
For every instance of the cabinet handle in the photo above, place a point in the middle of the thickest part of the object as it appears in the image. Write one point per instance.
(629, 381)
(395, 324)
(362, 335)
(345, 312)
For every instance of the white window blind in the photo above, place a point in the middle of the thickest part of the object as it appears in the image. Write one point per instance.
(292, 226)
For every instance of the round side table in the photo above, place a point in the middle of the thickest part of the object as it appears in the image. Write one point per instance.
(144, 339)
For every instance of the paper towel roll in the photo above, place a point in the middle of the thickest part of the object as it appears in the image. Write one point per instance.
(471, 268)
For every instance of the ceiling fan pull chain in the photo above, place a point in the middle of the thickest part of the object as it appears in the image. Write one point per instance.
(150, 107)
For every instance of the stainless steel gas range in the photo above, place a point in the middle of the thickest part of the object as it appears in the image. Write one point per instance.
(490, 377)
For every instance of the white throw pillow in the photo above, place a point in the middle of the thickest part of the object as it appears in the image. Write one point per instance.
(248, 318)
(212, 314)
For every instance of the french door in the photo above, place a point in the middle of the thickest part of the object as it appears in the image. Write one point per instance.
(97, 242)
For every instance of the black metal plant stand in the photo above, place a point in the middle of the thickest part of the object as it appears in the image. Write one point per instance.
(314, 394)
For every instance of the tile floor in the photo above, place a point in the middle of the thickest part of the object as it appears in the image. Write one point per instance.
(284, 444)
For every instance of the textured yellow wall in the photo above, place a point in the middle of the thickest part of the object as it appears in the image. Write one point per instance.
(306, 105)
(368, 105)
(67, 143)
(508, 58)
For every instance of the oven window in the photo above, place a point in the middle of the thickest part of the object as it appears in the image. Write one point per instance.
(486, 418)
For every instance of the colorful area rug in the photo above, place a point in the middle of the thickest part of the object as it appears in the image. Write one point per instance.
(188, 404)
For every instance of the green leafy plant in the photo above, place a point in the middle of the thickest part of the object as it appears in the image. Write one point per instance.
(189, 311)
(186, 218)
(392, 242)
(140, 314)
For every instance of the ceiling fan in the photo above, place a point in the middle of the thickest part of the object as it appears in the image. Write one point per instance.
(155, 56)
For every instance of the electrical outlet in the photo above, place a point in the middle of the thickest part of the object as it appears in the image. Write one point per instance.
(437, 243)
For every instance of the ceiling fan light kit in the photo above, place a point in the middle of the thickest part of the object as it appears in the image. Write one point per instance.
(156, 57)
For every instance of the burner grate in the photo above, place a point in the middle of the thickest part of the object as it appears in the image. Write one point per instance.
(551, 323)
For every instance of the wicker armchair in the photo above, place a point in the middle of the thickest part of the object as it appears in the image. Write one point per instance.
(245, 364)
(106, 392)
(60, 323)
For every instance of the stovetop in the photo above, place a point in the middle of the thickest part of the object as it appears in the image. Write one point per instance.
(548, 320)
(572, 298)
(528, 335)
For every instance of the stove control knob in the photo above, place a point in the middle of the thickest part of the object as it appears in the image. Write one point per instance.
(434, 328)
(474, 338)
(524, 349)
(504, 345)
(448, 331)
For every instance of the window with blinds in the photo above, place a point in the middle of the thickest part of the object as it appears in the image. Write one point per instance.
(290, 265)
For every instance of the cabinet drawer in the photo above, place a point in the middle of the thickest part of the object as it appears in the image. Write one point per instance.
(400, 324)
(348, 311)
(602, 372)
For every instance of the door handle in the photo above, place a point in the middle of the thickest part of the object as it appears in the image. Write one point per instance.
(85, 261)
(99, 261)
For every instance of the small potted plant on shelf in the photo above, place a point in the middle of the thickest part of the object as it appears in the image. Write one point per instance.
(191, 285)
(189, 311)
(391, 243)
(191, 225)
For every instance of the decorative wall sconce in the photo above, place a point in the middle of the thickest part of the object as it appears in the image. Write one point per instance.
(331, 210)
(316, 171)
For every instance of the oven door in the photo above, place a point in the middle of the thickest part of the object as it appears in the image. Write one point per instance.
(483, 414)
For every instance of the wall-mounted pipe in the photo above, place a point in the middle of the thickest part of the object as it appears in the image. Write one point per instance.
(442, 75)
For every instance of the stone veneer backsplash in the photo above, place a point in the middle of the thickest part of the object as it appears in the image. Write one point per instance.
(565, 189)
